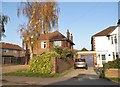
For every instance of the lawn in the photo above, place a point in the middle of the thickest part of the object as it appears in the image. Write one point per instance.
(27, 73)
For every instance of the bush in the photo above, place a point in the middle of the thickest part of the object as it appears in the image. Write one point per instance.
(63, 52)
(42, 63)
(112, 64)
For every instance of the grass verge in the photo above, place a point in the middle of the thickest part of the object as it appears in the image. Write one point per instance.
(28, 73)
(115, 79)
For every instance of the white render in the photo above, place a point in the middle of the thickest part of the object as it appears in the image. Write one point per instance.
(109, 50)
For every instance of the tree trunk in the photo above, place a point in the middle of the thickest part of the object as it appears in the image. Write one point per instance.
(31, 51)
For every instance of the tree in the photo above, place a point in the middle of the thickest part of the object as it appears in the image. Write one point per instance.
(84, 49)
(42, 16)
(118, 23)
(3, 20)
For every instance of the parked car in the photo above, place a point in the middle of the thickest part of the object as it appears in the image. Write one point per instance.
(80, 63)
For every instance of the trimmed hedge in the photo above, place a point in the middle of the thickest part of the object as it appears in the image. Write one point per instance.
(42, 63)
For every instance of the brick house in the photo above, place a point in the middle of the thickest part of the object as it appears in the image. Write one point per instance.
(55, 38)
(11, 53)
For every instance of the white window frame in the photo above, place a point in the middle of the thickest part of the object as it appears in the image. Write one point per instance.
(57, 43)
(43, 44)
(15, 51)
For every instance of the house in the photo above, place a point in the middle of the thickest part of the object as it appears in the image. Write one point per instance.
(55, 38)
(106, 44)
(11, 53)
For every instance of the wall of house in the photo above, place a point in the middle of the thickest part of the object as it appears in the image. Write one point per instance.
(103, 47)
(14, 53)
(39, 50)
(114, 47)
(10, 56)
(119, 41)
(101, 43)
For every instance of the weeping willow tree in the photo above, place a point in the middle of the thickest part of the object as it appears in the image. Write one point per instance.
(3, 20)
(42, 16)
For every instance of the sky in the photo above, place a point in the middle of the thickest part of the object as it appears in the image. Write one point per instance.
(83, 19)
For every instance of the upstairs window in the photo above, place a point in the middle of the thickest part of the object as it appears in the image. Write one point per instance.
(15, 51)
(115, 40)
(5, 50)
(111, 40)
(43, 44)
(57, 43)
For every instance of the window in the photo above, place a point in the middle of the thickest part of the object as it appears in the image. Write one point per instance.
(43, 44)
(103, 59)
(111, 40)
(5, 50)
(57, 43)
(115, 39)
(15, 51)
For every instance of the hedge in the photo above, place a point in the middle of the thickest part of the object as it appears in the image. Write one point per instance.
(42, 63)
(112, 64)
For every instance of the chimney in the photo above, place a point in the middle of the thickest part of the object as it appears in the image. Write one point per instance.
(68, 34)
(71, 37)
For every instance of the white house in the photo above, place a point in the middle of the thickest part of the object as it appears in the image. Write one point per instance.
(106, 43)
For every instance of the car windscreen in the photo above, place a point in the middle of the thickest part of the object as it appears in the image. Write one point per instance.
(80, 60)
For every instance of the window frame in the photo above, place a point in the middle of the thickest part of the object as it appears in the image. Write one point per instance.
(57, 43)
(43, 44)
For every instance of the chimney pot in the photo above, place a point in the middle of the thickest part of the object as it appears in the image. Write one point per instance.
(68, 34)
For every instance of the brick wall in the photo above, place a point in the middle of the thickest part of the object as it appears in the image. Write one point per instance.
(112, 73)
(60, 65)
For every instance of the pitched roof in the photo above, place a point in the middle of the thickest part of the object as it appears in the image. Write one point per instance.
(10, 46)
(106, 31)
(54, 36)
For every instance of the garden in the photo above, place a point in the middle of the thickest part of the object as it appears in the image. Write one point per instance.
(111, 70)
(41, 65)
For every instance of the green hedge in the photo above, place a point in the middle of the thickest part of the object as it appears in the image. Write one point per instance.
(42, 63)
(112, 64)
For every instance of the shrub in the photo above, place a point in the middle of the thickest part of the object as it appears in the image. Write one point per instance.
(63, 52)
(112, 64)
(42, 63)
